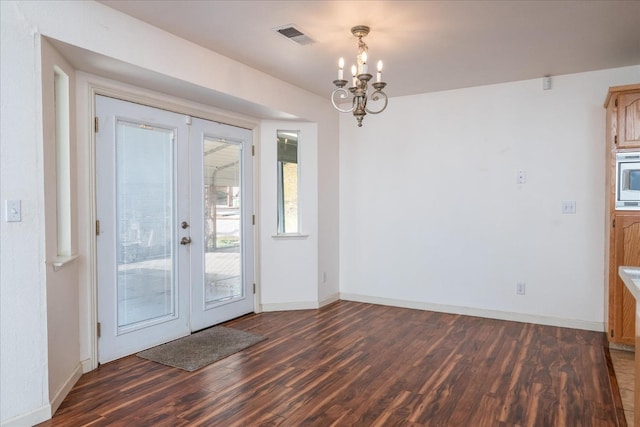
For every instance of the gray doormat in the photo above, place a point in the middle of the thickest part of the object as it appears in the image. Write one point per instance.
(202, 348)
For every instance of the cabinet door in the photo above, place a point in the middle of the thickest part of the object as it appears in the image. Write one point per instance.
(629, 120)
(627, 252)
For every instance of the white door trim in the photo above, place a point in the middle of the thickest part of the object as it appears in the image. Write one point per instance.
(88, 86)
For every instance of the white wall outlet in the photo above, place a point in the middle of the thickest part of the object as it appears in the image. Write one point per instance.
(521, 288)
(522, 177)
(568, 206)
(13, 211)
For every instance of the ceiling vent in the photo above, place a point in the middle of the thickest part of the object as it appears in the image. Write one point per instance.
(295, 34)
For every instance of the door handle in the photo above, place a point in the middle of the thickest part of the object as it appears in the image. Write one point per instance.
(185, 241)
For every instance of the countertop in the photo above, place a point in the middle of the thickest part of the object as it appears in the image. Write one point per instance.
(631, 277)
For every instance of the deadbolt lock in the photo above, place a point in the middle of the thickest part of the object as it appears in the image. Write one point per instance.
(184, 225)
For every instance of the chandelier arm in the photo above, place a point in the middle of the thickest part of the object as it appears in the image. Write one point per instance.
(343, 94)
(375, 96)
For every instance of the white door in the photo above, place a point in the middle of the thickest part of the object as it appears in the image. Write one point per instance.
(159, 276)
(222, 247)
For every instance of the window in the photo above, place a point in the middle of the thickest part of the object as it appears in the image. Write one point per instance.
(288, 177)
(63, 162)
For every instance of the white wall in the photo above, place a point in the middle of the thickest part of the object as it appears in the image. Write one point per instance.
(61, 284)
(289, 264)
(431, 215)
(328, 214)
(25, 397)
(23, 373)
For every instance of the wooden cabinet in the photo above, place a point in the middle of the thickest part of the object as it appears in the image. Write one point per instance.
(622, 229)
(626, 238)
(629, 120)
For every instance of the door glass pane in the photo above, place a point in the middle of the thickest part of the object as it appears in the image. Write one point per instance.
(145, 221)
(222, 221)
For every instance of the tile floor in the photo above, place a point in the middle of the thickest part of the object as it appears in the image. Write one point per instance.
(623, 366)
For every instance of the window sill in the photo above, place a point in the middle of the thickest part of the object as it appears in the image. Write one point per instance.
(292, 236)
(61, 261)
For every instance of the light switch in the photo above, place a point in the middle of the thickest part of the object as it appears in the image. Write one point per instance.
(13, 212)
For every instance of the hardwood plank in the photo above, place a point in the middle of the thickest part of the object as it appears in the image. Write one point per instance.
(355, 364)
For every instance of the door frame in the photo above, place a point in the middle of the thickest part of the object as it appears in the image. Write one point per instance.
(88, 86)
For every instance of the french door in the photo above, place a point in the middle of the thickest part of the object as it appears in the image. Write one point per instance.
(175, 245)
(221, 199)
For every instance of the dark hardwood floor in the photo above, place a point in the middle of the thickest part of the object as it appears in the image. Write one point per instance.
(366, 365)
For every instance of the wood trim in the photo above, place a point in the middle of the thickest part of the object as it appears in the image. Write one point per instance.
(623, 88)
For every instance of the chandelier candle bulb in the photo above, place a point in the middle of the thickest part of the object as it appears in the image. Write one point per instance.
(364, 63)
(379, 75)
(354, 70)
(340, 69)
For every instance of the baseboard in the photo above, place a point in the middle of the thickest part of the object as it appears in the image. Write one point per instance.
(478, 312)
(289, 306)
(330, 299)
(45, 413)
(623, 347)
(87, 365)
(300, 305)
(65, 388)
(27, 420)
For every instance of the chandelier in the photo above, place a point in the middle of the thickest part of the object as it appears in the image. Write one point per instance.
(359, 82)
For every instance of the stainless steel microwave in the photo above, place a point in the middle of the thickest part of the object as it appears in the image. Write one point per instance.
(628, 181)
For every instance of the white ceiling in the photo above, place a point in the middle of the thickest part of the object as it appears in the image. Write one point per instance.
(425, 45)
